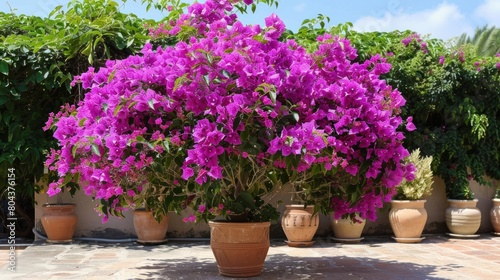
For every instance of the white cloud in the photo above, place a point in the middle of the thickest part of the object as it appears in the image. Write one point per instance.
(489, 10)
(300, 7)
(444, 22)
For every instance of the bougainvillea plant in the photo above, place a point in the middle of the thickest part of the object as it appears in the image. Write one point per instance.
(229, 113)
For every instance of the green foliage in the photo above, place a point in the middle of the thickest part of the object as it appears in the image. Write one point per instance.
(461, 120)
(96, 29)
(38, 58)
(32, 85)
(486, 40)
(175, 7)
(421, 186)
(309, 31)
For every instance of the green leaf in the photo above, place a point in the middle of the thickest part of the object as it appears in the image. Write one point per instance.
(73, 151)
(132, 104)
(111, 75)
(151, 104)
(237, 121)
(4, 67)
(247, 199)
(295, 116)
(117, 109)
(67, 179)
(272, 94)
(95, 149)
(82, 121)
(225, 74)
(167, 146)
(206, 79)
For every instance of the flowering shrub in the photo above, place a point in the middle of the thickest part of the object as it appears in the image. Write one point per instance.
(354, 151)
(229, 113)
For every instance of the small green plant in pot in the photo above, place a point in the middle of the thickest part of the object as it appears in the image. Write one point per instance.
(408, 215)
(421, 185)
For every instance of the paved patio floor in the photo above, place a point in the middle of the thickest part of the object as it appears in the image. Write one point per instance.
(436, 257)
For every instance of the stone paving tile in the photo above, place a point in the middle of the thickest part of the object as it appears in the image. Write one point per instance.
(437, 257)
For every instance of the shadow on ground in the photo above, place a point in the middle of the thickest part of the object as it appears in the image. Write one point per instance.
(281, 266)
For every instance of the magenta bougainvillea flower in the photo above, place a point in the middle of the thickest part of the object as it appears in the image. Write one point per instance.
(224, 113)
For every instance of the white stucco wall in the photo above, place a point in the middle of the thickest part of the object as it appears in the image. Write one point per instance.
(90, 225)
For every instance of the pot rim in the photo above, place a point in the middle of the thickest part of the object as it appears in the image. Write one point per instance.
(299, 205)
(408, 200)
(475, 199)
(237, 224)
(58, 204)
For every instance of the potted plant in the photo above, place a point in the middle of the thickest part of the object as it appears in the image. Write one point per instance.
(300, 220)
(280, 114)
(232, 109)
(408, 215)
(463, 218)
(495, 212)
(59, 219)
(143, 115)
(115, 156)
(361, 160)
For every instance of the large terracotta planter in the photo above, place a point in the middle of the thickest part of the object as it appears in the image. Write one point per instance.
(408, 218)
(299, 225)
(463, 217)
(147, 228)
(346, 230)
(495, 216)
(59, 222)
(240, 249)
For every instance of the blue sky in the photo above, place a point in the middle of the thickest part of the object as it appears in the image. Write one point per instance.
(440, 19)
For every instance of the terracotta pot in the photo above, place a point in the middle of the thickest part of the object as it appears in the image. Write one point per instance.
(299, 225)
(495, 215)
(147, 228)
(240, 249)
(59, 222)
(408, 218)
(345, 228)
(463, 217)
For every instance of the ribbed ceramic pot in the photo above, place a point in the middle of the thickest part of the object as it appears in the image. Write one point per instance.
(495, 215)
(240, 249)
(299, 225)
(463, 217)
(408, 218)
(59, 222)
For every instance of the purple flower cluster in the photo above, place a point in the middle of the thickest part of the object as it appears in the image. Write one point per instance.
(417, 39)
(229, 92)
